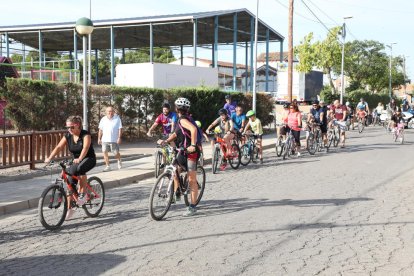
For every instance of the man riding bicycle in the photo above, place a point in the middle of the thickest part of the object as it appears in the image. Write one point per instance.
(318, 114)
(363, 110)
(338, 112)
(239, 120)
(166, 119)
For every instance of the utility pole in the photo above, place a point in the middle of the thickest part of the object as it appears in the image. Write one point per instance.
(343, 33)
(290, 51)
(390, 77)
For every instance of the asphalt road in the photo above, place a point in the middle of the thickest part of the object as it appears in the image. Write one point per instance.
(345, 212)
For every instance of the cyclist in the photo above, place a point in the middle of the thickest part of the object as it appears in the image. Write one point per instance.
(282, 129)
(318, 113)
(363, 106)
(78, 141)
(185, 136)
(239, 120)
(229, 105)
(396, 119)
(350, 114)
(391, 107)
(256, 126)
(225, 126)
(167, 119)
(338, 112)
(294, 125)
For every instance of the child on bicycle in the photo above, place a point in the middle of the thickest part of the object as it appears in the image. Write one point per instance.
(79, 144)
(255, 125)
(397, 120)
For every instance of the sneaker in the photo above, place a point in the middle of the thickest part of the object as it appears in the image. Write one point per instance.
(223, 166)
(107, 169)
(69, 214)
(81, 199)
(191, 211)
(119, 164)
(261, 160)
(298, 154)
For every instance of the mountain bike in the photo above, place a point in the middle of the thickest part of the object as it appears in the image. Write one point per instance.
(314, 141)
(220, 154)
(289, 145)
(333, 135)
(249, 151)
(279, 144)
(53, 203)
(163, 191)
(361, 124)
(163, 157)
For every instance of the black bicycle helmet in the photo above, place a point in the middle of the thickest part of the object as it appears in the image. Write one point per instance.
(315, 102)
(223, 111)
(227, 97)
(286, 105)
(166, 105)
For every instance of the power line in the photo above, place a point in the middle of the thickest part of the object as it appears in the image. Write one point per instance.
(298, 14)
(371, 8)
(316, 6)
(320, 21)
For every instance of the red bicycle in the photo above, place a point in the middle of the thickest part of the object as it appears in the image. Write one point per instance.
(221, 154)
(55, 200)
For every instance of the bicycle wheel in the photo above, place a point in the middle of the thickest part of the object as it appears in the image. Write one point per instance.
(235, 156)
(337, 135)
(95, 195)
(216, 159)
(201, 182)
(279, 146)
(287, 148)
(255, 154)
(318, 141)
(401, 138)
(52, 207)
(161, 196)
(360, 126)
(331, 138)
(245, 155)
(201, 159)
(158, 163)
(311, 144)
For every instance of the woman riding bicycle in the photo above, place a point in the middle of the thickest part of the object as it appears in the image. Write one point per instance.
(185, 136)
(295, 124)
(79, 144)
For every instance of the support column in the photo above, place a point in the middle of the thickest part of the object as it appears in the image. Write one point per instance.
(89, 59)
(112, 56)
(235, 52)
(123, 56)
(75, 51)
(96, 66)
(7, 45)
(281, 51)
(40, 48)
(151, 44)
(267, 60)
(181, 54)
(215, 44)
(251, 52)
(247, 67)
(195, 42)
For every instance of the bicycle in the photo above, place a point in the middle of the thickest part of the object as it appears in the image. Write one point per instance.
(53, 203)
(333, 135)
(162, 158)
(398, 133)
(249, 151)
(220, 154)
(279, 145)
(314, 141)
(361, 124)
(163, 189)
(288, 147)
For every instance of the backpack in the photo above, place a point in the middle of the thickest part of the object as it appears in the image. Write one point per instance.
(187, 134)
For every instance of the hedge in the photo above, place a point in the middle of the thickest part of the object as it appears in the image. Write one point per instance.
(41, 105)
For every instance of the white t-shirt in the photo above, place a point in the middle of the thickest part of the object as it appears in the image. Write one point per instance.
(110, 128)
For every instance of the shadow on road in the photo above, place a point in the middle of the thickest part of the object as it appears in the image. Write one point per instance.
(70, 264)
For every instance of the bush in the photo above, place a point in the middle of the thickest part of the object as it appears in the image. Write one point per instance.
(371, 98)
(40, 105)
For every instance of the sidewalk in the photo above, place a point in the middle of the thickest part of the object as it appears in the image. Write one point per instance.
(18, 194)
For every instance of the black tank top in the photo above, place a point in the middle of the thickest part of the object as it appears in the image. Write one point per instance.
(76, 148)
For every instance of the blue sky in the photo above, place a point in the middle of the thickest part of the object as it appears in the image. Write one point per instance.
(385, 21)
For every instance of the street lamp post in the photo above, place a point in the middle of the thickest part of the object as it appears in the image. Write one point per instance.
(390, 78)
(84, 27)
(255, 56)
(343, 33)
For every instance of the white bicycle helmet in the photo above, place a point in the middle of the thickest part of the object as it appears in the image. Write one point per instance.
(182, 103)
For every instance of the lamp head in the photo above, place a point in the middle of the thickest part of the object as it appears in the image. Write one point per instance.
(84, 26)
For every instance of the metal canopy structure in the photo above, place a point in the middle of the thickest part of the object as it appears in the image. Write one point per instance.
(233, 27)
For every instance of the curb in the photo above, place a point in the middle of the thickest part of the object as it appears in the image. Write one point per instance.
(33, 202)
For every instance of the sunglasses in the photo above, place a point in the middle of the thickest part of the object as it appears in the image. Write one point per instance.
(70, 127)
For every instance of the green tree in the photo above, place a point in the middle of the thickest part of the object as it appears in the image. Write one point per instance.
(325, 54)
(161, 55)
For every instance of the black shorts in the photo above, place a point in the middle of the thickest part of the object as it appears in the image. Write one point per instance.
(82, 168)
(324, 128)
(296, 135)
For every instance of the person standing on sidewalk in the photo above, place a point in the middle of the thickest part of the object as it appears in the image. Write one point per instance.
(109, 136)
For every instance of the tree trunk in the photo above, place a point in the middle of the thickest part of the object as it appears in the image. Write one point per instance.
(331, 84)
